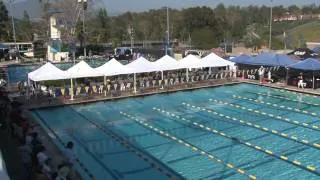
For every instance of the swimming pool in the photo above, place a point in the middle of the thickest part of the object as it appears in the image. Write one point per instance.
(229, 132)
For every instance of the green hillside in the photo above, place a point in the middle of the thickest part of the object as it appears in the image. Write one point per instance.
(301, 34)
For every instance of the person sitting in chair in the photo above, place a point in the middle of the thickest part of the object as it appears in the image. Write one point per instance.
(300, 81)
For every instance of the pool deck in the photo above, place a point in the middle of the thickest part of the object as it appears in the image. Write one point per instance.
(56, 102)
(44, 103)
(283, 86)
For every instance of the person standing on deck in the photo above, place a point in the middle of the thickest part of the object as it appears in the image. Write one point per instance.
(261, 74)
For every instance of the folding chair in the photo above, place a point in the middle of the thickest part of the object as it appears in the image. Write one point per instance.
(176, 81)
(62, 91)
(166, 82)
(153, 83)
(94, 88)
(171, 81)
(78, 90)
(87, 89)
(122, 87)
(128, 86)
(115, 86)
(181, 80)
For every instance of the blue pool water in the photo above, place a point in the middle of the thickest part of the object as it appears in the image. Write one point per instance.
(108, 159)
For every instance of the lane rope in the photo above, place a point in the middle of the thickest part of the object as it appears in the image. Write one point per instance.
(293, 92)
(285, 98)
(296, 163)
(189, 145)
(274, 116)
(257, 126)
(275, 105)
(124, 143)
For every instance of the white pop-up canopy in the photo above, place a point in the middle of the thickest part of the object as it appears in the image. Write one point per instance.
(166, 63)
(47, 72)
(82, 70)
(141, 65)
(189, 61)
(114, 67)
(212, 60)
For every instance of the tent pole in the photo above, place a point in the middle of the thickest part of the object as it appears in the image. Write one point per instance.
(242, 74)
(287, 76)
(71, 90)
(312, 80)
(28, 88)
(187, 75)
(162, 79)
(105, 85)
(162, 75)
(209, 70)
(134, 83)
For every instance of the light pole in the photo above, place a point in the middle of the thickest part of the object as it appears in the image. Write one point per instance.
(270, 25)
(84, 8)
(168, 32)
(14, 30)
(131, 37)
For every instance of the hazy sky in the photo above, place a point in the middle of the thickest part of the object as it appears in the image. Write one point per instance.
(141, 5)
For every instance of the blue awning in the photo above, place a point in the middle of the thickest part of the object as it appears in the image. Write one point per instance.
(242, 59)
(265, 59)
(310, 64)
(271, 59)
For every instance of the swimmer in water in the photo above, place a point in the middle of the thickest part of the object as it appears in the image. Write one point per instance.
(235, 139)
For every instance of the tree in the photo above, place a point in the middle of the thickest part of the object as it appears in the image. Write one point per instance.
(4, 22)
(204, 38)
(24, 28)
(101, 33)
(293, 9)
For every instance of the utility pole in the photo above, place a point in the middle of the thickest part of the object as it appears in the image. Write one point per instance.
(84, 8)
(14, 31)
(131, 37)
(168, 32)
(270, 25)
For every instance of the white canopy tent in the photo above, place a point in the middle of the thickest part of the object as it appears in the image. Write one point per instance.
(47, 72)
(212, 60)
(141, 65)
(114, 67)
(188, 62)
(81, 70)
(166, 63)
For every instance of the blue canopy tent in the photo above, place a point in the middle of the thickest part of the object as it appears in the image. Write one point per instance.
(242, 59)
(309, 64)
(271, 59)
